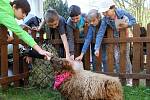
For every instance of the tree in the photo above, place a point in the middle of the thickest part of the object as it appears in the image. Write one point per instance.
(138, 8)
(61, 8)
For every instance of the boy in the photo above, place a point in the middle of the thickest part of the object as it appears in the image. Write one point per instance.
(75, 21)
(94, 19)
(56, 24)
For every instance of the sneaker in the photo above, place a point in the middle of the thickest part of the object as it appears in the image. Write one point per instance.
(129, 82)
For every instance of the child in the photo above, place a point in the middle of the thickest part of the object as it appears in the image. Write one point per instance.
(33, 22)
(75, 21)
(112, 14)
(18, 9)
(56, 24)
(94, 19)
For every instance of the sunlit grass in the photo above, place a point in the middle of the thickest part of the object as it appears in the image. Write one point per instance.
(130, 93)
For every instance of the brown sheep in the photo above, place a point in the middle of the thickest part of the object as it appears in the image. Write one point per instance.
(86, 85)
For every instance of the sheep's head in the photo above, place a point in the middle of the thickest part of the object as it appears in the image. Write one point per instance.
(62, 64)
(76, 65)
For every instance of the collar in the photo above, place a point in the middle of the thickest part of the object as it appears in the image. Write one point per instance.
(119, 13)
(59, 79)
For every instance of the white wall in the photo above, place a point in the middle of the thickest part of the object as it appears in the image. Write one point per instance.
(36, 7)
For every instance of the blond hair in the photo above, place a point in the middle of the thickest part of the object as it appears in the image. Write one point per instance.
(93, 13)
(51, 15)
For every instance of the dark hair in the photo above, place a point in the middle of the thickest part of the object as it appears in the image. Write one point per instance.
(23, 4)
(33, 22)
(143, 31)
(112, 7)
(51, 15)
(74, 10)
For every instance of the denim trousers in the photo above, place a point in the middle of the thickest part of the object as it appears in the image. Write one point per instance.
(117, 57)
(104, 58)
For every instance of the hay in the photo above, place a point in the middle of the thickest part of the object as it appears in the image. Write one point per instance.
(42, 73)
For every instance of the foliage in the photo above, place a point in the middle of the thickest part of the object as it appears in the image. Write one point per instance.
(42, 73)
(138, 8)
(62, 8)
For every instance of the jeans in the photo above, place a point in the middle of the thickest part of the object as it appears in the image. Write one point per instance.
(117, 57)
(104, 58)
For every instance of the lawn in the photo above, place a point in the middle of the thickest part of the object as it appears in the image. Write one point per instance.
(130, 93)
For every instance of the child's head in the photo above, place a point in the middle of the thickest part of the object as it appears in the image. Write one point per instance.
(93, 17)
(74, 13)
(21, 8)
(52, 18)
(110, 12)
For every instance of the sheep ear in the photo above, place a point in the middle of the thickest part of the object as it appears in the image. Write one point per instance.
(66, 64)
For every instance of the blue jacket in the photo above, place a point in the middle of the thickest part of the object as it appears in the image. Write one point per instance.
(88, 39)
(107, 21)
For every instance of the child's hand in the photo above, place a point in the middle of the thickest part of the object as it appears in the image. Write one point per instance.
(10, 38)
(96, 53)
(123, 25)
(28, 59)
(68, 56)
(79, 58)
(47, 54)
(72, 57)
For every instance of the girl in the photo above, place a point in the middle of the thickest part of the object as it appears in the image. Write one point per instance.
(18, 9)
(117, 19)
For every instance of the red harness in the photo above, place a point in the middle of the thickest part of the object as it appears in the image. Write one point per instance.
(59, 79)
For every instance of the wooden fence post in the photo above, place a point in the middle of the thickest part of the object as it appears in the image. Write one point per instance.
(123, 49)
(16, 58)
(148, 56)
(136, 53)
(87, 59)
(4, 54)
(87, 54)
(110, 51)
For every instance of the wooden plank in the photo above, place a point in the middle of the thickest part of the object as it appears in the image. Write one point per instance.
(25, 70)
(136, 53)
(105, 40)
(16, 58)
(141, 57)
(124, 75)
(17, 77)
(57, 46)
(148, 56)
(4, 54)
(110, 51)
(33, 33)
(87, 59)
(129, 39)
(99, 61)
(122, 50)
(77, 46)
(41, 36)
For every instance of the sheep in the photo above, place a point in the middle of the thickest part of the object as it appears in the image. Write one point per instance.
(85, 85)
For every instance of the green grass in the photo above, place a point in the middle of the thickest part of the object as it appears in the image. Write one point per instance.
(130, 93)
(136, 93)
(30, 94)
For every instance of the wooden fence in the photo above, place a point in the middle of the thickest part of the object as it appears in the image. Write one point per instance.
(137, 55)
(19, 68)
